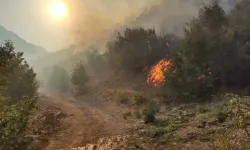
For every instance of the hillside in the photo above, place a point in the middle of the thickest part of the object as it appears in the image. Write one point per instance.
(31, 51)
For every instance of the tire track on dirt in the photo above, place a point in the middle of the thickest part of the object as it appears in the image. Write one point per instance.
(87, 123)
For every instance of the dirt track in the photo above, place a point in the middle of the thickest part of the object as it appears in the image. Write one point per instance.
(87, 122)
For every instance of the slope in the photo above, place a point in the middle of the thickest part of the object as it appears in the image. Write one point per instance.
(31, 51)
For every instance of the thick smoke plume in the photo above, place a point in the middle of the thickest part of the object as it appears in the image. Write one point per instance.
(93, 22)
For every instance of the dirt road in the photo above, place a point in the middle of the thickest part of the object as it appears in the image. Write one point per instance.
(87, 122)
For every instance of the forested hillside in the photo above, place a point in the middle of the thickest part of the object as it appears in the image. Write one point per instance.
(147, 89)
(31, 52)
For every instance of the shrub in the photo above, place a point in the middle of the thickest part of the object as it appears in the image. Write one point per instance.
(240, 108)
(149, 115)
(122, 97)
(79, 77)
(138, 114)
(225, 142)
(18, 95)
(17, 79)
(59, 80)
(138, 99)
(160, 130)
(136, 50)
(204, 61)
(222, 117)
(96, 61)
(13, 122)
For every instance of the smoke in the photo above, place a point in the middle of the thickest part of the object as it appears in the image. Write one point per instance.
(168, 17)
(93, 22)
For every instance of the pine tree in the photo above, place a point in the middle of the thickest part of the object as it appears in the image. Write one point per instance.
(79, 76)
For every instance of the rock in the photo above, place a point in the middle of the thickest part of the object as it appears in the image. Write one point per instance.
(61, 115)
(188, 113)
(175, 109)
(91, 147)
(213, 122)
(35, 145)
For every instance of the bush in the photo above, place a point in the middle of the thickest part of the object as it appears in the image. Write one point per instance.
(138, 114)
(136, 50)
(18, 95)
(240, 108)
(96, 61)
(149, 115)
(225, 142)
(139, 99)
(204, 61)
(17, 79)
(79, 77)
(13, 122)
(222, 117)
(122, 97)
(165, 127)
(59, 80)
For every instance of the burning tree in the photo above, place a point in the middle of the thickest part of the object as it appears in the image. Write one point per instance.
(156, 76)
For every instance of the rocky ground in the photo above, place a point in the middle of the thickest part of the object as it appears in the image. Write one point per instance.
(60, 124)
(111, 119)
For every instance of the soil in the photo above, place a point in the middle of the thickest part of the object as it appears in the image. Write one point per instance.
(67, 123)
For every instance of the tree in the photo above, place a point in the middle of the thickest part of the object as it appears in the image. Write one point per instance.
(18, 95)
(136, 49)
(96, 61)
(17, 77)
(206, 55)
(215, 52)
(79, 76)
(59, 80)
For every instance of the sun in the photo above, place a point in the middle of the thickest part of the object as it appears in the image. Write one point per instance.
(58, 9)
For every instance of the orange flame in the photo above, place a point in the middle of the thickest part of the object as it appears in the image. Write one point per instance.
(156, 76)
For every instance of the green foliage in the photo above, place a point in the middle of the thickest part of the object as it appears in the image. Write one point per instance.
(17, 78)
(162, 128)
(225, 142)
(138, 114)
(149, 115)
(96, 61)
(122, 97)
(136, 50)
(222, 117)
(214, 52)
(240, 107)
(13, 122)
(239, 113)
(79, 76)
(18, 95)
(219, 111)
(139, 99)
(59, 80)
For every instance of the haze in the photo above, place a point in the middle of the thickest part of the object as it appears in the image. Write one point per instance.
(32, 21)
(91, 21)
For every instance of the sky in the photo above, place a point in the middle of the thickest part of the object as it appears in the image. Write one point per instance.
(88, 21)
(32, 21)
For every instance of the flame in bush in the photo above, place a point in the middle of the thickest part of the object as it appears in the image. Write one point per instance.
(156, 76)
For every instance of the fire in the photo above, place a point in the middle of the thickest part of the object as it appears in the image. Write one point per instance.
(156, 76)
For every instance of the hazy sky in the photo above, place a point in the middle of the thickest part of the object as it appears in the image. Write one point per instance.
(32, 21)
(88, 20)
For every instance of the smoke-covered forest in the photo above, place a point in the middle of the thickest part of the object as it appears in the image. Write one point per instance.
(152, 80)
